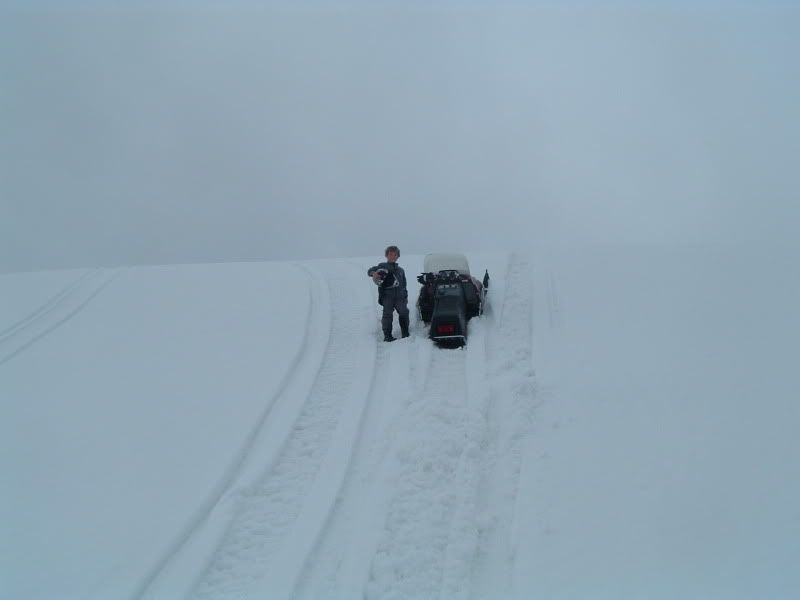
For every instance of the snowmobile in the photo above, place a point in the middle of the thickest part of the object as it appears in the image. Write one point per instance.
(449, 297)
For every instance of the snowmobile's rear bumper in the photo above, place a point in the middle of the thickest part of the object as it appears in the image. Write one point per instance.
(449, 341)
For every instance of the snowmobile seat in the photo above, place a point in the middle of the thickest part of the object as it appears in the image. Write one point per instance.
(448, 321)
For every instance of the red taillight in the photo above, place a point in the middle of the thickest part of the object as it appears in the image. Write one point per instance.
(445, 329)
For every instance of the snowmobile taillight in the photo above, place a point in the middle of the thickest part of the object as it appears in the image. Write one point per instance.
(445, 329)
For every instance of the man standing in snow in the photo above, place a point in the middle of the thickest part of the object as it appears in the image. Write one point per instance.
(392, 292)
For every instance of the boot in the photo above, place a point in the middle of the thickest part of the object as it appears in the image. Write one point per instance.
(404, 327)
(389, 338)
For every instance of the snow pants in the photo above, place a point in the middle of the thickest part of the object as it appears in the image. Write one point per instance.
(394, 300)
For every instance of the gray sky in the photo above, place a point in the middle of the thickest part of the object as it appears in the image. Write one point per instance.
(153, 135)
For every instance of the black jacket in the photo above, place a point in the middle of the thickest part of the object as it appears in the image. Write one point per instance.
(395, 279)
(396, 276)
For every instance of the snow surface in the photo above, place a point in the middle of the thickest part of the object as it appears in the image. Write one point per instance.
(622, 424)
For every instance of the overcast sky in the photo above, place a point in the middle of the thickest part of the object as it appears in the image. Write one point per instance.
(183, 134)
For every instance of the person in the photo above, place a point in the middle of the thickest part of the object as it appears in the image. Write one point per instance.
(392, 292)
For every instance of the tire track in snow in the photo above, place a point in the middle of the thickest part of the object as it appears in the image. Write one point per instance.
(174, 573)
(512, 402)
(46, 320)
(277, 519)
(464, 526)
(46, 306)
(314, 519)
(428, 537)
(339, 566)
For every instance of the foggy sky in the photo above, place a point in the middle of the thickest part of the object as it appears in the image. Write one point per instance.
(158, 135)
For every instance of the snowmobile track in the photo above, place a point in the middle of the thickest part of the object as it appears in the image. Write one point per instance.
(278, 518)
(339, 564)
(415, 553)
(171, 576)
(54, 313)
(47, 305)
(406, 525)
(512, 401)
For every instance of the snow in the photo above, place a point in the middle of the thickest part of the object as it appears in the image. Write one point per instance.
(25, 295)
(667, 429)
(621, 424)
(119, 426)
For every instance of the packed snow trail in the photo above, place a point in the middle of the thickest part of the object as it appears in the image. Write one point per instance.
(368, 483)
(409, 561)
(339, 566)
(174, 573)
(263, 548)
(411, 519)
(452, 510)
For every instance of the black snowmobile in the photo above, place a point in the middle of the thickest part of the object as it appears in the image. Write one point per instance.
(449, 297)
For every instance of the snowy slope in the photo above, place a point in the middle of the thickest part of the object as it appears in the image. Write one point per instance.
(665, 454)
(621, 424)
(118, 426)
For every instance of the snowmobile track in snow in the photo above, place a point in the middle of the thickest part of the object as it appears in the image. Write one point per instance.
(172, 575)
(47, 305)
(339, 564)
(51, 315)
(278, 518)
(408, 523)
(426, 545)
(370, 475)
(512, 401)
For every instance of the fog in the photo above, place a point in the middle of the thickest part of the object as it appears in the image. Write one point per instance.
(196, 134)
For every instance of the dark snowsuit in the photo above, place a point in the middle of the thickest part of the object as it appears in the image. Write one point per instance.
(392, 295)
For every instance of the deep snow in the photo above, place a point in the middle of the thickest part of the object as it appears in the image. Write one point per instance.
(622, 424)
